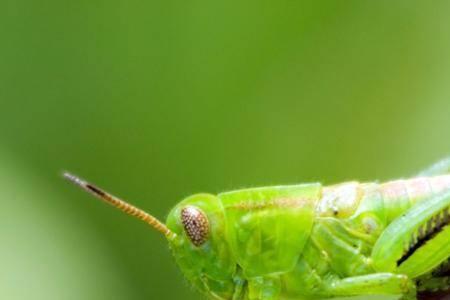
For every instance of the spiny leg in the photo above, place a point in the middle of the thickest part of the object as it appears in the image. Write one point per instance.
(440, 168)
(416, 242)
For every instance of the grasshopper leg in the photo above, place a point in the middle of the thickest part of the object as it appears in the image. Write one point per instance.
(264, 288)
(239, 291)
(440, 168)
(373, 284)
(416, 242)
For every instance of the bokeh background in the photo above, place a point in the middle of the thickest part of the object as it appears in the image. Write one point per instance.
(156, 100)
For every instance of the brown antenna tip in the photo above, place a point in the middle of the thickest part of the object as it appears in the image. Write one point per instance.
(120, 204)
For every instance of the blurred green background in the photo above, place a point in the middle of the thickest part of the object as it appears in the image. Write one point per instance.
(156, 100)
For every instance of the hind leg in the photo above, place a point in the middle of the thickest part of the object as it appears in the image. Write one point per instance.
(418, 241)
(440, 168)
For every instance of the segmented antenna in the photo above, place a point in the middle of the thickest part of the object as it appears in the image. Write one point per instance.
(120, 204)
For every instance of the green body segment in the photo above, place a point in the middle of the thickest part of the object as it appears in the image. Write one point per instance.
(308, 241)
(260, 226)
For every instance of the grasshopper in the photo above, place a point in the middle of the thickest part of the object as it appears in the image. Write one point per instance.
(308, 241)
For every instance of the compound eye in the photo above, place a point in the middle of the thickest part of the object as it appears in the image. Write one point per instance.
(195, 224)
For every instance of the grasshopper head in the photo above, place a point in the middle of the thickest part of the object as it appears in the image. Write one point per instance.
(196, 231)
(200, 245)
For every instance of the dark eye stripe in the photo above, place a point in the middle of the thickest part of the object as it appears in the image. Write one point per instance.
(195, 224)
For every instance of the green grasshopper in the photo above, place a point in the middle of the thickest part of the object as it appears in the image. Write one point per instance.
(311, 242)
